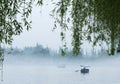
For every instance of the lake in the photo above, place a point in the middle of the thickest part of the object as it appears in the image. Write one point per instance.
(103, 71)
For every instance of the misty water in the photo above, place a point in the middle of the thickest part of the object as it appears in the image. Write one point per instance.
(34, 70)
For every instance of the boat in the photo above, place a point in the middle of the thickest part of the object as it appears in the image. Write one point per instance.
(84, 70)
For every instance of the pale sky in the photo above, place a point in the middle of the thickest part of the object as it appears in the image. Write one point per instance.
(41, 32)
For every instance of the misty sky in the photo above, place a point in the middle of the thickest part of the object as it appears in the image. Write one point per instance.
(41, 32)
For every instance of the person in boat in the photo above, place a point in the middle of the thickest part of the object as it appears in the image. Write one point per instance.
(84, 70)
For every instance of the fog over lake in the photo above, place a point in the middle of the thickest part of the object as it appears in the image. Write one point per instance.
(35, 69)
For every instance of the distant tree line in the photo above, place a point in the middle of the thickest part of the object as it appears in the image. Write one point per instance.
(41, 51)
(36, 50)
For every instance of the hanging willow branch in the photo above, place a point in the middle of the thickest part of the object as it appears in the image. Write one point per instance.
(96, 20)
(14, 17)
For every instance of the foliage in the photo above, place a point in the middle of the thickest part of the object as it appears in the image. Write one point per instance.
(13, 18)
(96, 21)
(107, 12)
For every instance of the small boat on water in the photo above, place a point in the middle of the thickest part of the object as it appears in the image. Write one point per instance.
(84, 70)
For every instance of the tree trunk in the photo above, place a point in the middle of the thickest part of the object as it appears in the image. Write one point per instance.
(112, 49)
(118, 48)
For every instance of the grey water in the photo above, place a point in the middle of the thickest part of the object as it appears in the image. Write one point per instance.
(50, 71)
